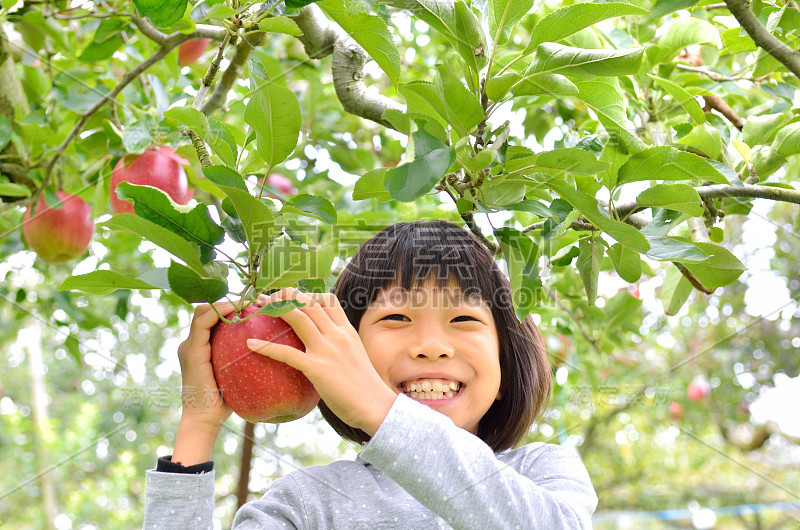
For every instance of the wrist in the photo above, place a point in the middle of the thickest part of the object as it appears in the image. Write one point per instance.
(378, 410)
(194, 442)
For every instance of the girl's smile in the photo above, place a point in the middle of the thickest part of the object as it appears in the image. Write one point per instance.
(438, 347)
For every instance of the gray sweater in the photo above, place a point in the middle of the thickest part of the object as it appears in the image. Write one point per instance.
(419, 471)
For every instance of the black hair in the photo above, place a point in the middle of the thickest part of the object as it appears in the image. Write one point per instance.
(442, 251)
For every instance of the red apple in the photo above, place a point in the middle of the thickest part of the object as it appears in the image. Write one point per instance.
(281, 183)
(698, 389)
(191, 50)
(59, 234)
(675, 410)
(256, 387)
(159, 167)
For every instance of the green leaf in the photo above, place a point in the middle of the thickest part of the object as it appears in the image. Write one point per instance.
(221, 141)
(139, 135)
(704, 140)
(761, 130)
(280, 25)
(193, 288)
(503, 16)
(719, 269)
(555, 85)
(219, 12)
(673, 249)
(471, 40)
(568, 20)
(193, 224)
(627, 263)
(162, 13)
(684, 32)
(438, 14)
(787, 141)
(223, 176)
(409, 181)
(606, 98)
(566, 159)
(462, 109)
(679, 197)
(503, 190)
(590, 258)
(765, 63)
(663, 7)
(297, 4)
(281, 307)
(553, 58)
(190, 117)
(370, 186)
(521, 255)
(766, 162)
(5, 131)
(287, 263)
(168, 240)
(668, 163)
(627, 235)
(480, 161)
(371, 32)
(675, 291)
(274, 113)
(10, 189)
(255, 216)
(682, 97)
(107, 39)
(102, 282)
(421, 98)
(312, 206)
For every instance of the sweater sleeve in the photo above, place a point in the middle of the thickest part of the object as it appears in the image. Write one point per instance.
(458, 477)
(176, 500)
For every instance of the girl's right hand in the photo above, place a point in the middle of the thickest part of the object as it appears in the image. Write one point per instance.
(203, 406)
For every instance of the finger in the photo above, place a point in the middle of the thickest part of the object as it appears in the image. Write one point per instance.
(333, 307)
(312, 308)
(205, 318)
(280, 352)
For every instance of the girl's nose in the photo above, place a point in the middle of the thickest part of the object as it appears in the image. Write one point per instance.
(431, 347)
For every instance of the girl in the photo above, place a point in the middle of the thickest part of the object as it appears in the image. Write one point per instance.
(418, 355)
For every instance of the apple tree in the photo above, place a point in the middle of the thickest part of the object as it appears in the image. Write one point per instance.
(223, 149)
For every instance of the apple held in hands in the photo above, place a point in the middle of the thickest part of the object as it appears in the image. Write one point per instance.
(59, 234)
(257, 388)
(160, 168)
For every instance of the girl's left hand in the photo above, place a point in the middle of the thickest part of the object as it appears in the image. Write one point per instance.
(335, 360)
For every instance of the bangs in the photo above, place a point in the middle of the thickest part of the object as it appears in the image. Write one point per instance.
(413, 254)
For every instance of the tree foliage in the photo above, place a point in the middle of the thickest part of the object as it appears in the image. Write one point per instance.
(587, 145)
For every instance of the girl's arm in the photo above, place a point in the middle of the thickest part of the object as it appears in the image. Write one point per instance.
(458, 477)
(186, 499)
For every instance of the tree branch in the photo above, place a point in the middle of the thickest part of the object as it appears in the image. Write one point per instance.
(788, 57)
(718, 104)
(720, 191)
(234, 70)
(321, 38)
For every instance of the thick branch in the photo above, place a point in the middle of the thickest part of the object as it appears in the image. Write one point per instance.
(320, 38)
(718, 104)
(788, 57)
(200, 31)
(234, 70)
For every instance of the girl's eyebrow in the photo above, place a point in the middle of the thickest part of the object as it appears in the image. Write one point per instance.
(403, 297)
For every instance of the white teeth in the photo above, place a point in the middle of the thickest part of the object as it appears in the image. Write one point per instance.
(438, 386)
(431, 395)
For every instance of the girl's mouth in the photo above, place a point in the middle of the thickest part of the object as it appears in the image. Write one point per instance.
(437, 392)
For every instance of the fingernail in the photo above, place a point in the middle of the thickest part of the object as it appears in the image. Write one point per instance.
(262, 299)
(255, 343)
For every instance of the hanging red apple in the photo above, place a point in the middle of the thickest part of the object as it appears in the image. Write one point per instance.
(698, 388)
(281, 183)
(191, 50)
(257, 388)
(59, 234)
(675, 410)
(160, 168)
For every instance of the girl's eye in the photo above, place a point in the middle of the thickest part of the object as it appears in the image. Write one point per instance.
(403, 316)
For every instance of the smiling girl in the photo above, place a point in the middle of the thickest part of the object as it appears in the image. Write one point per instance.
(418, 356)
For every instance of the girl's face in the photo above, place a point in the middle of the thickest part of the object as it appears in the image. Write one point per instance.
(428, 341)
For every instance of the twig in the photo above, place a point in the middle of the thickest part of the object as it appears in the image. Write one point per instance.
(208, 79)
(788, 57)
(718, 104)
(244, 48)
(199, 146)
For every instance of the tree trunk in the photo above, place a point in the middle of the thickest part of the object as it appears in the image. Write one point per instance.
(244, 466)
(43, 435)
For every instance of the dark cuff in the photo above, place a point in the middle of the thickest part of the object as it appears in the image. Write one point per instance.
(166, 465)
